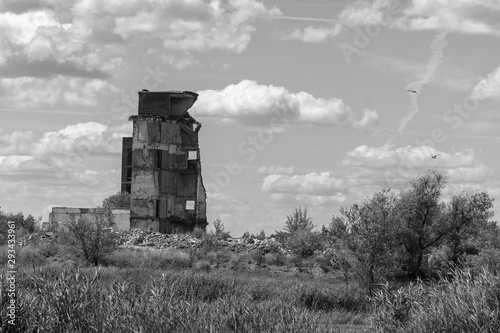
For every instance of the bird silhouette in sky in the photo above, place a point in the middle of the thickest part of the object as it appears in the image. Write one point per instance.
(434, 156)
(413, 91)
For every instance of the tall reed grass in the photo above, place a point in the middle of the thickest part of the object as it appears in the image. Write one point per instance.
(464, 302)
(111, 299)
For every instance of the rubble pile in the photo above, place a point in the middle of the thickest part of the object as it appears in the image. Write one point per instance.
(143, 238)
(137, 237)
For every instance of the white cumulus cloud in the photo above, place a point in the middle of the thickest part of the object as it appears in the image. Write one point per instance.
(488, 87)
(253, 103)
(312, 34)
(452, 16)
(22, 92)
(311, 183)
(188, 25)
(275, 169)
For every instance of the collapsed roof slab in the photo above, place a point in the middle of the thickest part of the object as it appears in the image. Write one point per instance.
(169, 104)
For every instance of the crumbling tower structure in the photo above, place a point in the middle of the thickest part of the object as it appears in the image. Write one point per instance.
(161, 166)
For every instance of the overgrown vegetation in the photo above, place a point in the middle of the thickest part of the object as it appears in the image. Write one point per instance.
(413, 234)
(165, 291)
(298, 235)
(116, 201)
(465, 302)
(407, 261)
(24, 225)
(89, 240)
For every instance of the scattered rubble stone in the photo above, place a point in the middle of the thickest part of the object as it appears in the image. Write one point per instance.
(143, 238)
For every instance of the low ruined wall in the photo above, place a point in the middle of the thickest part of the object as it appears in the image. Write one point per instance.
(60, 216)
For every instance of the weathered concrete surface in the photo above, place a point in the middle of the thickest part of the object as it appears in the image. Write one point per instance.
(63, 215)
(121, 219)
(60, 216)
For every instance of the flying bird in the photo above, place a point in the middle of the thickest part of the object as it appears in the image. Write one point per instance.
(413, 91)
(434, 156)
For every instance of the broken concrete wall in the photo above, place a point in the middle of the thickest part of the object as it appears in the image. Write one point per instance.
(121, 219)
(60, 216)
(63, 215)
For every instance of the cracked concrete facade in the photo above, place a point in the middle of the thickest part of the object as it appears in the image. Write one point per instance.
(161, 166)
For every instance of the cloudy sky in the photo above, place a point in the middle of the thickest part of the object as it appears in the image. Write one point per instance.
(301, 102)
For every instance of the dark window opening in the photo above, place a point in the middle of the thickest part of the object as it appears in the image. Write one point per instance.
(159, 158)
(129, 156)
(157, 208)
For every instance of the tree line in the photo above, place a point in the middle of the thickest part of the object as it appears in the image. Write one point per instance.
(410, 234)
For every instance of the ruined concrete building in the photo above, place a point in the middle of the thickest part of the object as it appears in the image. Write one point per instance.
(161, 166)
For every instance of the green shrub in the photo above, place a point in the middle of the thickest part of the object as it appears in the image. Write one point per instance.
(49, 249)
(203, 266)
(89, 240)
(246, 236)
(257, 257)
(487, 258)
(209, 243)
(270, 259)
(261, 235)
(198, 232)
(165, 258)
(124, 258)
(149, 258)
(329, 299)
(303, 243)
(280, 259)
(30, 256)
(294, 260)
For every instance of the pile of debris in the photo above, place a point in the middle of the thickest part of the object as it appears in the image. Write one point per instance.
(137, 237)
(143, 238)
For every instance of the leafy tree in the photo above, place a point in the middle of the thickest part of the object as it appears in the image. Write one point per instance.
(30, 223)
(304, 243)
(299, 236)
(91, 240)
(246, 235)
(487, 244)
(117, 200)
(4, 227)
(420, 221)
(298, 221)
(27, 224)
(467, 215)
(392, 234)
(219, 229)
(261, 235)
(363, 239)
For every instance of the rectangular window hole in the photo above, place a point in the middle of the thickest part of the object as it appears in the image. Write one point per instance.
(192, 155)
(159, 158)
(189, 204)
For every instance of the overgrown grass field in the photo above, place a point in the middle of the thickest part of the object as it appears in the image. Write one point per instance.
(174, 291)
(199, 291)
